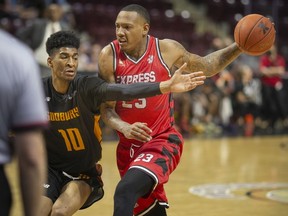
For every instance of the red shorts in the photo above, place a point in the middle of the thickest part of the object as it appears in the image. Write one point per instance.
(158, 158)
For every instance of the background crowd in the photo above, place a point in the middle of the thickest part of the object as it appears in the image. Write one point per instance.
(250, 97)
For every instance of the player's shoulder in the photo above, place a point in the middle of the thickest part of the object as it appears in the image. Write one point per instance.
(168, 41)
(106, 58)
(106, 50)
(168, 44)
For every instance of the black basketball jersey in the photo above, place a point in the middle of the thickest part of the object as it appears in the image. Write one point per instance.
(73, 140)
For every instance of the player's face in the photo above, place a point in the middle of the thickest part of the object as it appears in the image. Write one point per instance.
(64, 63)
(131, 31)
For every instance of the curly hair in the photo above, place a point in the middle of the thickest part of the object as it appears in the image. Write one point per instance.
(62, 39)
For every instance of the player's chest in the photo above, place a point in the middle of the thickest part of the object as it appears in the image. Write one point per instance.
(141, 71)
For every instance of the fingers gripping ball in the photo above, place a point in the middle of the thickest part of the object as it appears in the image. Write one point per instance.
(254, 34)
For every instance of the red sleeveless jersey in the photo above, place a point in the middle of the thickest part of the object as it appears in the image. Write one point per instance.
(156, 111)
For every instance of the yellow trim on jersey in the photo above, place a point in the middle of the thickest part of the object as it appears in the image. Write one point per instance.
(97, 129)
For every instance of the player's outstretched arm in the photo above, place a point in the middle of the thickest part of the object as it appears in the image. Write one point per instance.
(210, 64)
(178, 83)
(218, 60)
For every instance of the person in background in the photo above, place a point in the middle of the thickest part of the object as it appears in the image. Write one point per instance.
(146, 160)
(88, 58)
(247, 100)
(205, 109)
(225, 85)
(74, 139)
(35, 34)
(23, 116)
(183, 113)
(272, 68)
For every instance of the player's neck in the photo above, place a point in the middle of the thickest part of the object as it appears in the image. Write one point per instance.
(60, 86)
(139, 51)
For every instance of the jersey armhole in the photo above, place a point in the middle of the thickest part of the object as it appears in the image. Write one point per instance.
(114, 56)
(160, 57)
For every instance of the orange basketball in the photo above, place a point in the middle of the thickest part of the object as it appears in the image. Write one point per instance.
(254, 34)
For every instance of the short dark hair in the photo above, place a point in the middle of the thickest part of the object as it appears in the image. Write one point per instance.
(62, 39)
(139, 9)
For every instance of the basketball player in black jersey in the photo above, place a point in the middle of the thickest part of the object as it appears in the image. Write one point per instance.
(73, 140)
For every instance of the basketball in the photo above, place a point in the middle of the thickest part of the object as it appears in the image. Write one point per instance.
(254, 34)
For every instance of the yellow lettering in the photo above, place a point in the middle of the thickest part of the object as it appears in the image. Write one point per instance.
(64, 116)
(67, 116)
(71, 113)
(56, 116)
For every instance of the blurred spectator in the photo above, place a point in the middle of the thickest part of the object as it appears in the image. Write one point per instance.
(84, 52)
(34, 34)
(95, 51)
(183, 112)
(205, 109)
(88, 57)
(247, 99)
(7, 16)
(251, 61)
(225, 85)
(272, 68)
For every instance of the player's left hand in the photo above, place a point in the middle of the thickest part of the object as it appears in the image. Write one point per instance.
(180, 82)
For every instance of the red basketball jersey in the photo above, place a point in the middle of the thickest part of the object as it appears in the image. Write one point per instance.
(156, 111)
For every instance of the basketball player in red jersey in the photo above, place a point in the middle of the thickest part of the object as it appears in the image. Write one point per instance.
(150, 147)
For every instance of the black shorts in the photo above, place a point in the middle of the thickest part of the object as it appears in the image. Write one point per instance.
(58, 179)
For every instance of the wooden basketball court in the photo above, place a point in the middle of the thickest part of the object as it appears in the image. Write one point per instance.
(216, 177)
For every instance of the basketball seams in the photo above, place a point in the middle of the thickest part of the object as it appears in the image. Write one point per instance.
(266, 36)
(251, 31)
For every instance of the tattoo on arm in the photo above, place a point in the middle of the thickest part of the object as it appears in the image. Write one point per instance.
(217, 61)
(212, 63)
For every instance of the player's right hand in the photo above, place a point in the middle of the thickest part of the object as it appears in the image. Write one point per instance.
(138, 131)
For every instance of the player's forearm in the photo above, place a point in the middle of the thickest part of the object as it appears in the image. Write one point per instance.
(132, 91)
(218, 60)
(111, 118)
